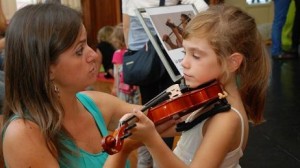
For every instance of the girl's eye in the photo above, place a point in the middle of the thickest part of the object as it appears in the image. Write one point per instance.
(79, 51)
(195, 56)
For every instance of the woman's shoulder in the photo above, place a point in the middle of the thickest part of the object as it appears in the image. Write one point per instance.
(24, 142)
(21, 129)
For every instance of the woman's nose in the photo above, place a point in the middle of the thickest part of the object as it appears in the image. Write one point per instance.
(92, 55)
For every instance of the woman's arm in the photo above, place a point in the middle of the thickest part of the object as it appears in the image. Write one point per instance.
(126, 22)
(25, 146)
(200, 5)
(112, 108)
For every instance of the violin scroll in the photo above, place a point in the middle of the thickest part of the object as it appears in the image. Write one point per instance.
(112, 144)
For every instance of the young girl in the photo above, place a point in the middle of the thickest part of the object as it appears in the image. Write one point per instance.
(221, 43)
(128, 93)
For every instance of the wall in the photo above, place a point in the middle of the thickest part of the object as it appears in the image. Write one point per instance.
(99, 13)
(263, 13)
(96, 14)
(9, 7)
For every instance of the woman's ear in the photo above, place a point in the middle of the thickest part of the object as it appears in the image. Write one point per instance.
(234, 61)
(52, 72)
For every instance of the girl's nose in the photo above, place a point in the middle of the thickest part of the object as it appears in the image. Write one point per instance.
(184, 62)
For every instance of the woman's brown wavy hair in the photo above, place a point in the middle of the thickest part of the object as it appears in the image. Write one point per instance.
(36, 36)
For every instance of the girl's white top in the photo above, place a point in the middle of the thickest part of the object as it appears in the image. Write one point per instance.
(191, 139)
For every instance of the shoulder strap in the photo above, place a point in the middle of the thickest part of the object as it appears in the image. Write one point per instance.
(242, 121)
(92, 108)
(220, 106)
(161, 2)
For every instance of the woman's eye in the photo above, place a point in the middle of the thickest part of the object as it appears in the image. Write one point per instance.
(79, 51)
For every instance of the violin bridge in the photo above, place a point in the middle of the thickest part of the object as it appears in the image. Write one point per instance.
(174, 91)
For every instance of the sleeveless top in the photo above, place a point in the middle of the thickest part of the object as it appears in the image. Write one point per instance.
(191, 139)
(82, 158)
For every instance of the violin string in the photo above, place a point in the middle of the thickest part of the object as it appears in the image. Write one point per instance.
(126, 135)
(130, 127)
(149, 104)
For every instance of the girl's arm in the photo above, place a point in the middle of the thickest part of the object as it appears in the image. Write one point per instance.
(221, 135)
(115, 88)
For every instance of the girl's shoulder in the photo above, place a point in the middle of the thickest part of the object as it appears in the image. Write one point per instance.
(228, 128)
(229, 120)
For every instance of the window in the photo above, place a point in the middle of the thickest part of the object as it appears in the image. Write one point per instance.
(22, 3)
(257, 2)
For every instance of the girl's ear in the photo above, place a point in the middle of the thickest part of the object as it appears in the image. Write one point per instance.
(234, 61)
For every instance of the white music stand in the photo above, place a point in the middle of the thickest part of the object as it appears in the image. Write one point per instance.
(158, 17)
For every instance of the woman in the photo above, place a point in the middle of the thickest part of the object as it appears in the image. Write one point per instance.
(49, 120)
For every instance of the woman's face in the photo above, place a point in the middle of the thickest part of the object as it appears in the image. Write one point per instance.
(77, 67)
(200, 63)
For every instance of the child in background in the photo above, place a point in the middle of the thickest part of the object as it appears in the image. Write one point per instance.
(221, 43)
(106, 50)
(128, 93)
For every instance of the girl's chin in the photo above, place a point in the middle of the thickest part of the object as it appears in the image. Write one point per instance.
(191, 84)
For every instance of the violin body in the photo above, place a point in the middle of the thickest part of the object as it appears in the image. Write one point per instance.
(186, 103)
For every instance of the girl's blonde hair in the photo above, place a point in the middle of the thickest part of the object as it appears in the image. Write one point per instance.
(117, 37)
(230, 30)
(104, 34)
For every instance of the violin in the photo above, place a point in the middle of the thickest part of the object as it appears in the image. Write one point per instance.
(180, 102)
(186, 103)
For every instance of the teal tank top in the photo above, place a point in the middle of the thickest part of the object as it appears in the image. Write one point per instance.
(81, 158)
(86, 159)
